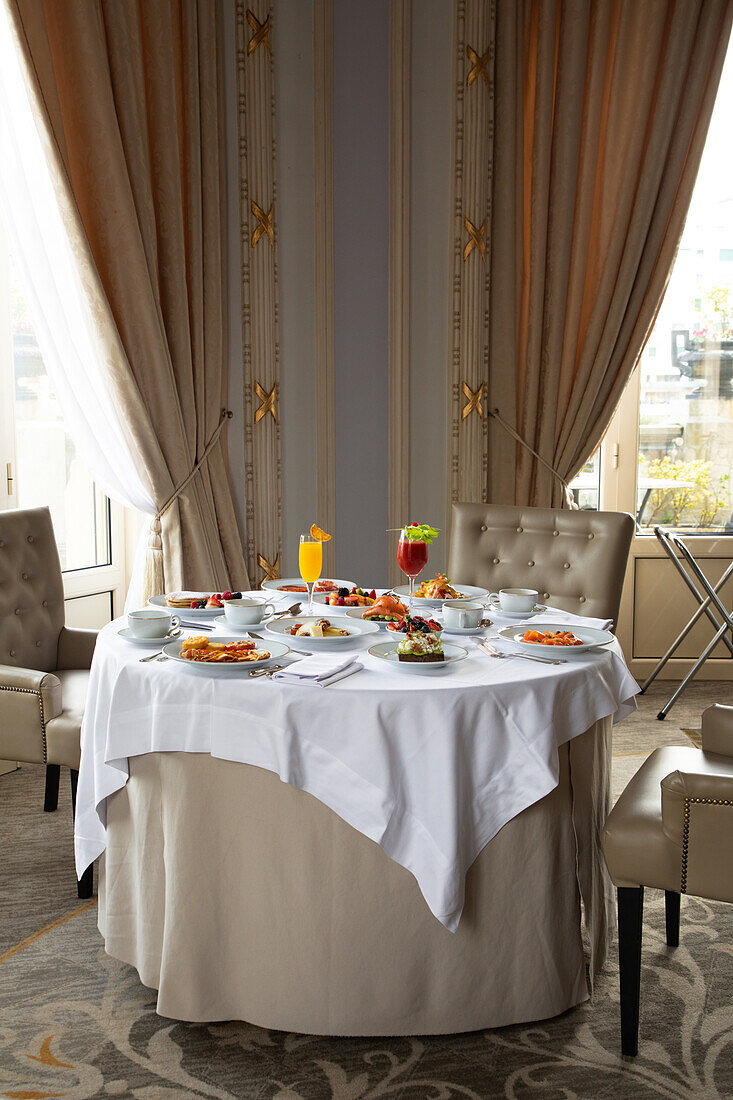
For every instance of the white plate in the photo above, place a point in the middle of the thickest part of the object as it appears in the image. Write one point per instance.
(276, 585)
(188, 614)
(356, 612)
(127, 634)
(275, 649)
(495, 609)
(282, 628)
(469, 592)
(590, 636)
(386, 652)
(320, 598)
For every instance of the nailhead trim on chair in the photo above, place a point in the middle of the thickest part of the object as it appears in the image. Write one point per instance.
(32, 691)
(686, 830)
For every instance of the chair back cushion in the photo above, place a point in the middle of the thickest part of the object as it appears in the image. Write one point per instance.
(575, 560)
(31, 590)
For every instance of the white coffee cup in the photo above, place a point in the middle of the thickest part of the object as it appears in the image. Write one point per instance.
(151, 622)
(466, 614)
(521, 600)
(247, 611)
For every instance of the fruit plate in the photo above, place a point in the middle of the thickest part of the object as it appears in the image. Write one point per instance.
(386, 654)
(188, 614)
(282, 627)
(590, 636)
(320, 599)
(276, 650)
(297, 585)
(468, 592)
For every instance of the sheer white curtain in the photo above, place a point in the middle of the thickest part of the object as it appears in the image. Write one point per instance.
(67, 335)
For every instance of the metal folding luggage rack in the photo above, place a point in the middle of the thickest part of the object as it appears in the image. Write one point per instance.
(709, 605)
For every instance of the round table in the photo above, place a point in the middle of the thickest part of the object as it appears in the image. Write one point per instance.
(421, 869)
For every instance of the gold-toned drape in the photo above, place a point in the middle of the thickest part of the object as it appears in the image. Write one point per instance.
(131, 98)
(600, 113)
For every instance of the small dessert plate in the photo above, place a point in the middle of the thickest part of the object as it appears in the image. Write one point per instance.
(133, 639)
(386, 653)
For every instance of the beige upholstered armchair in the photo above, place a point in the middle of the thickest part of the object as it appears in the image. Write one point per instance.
(44, 666)
(575, 560)
(672, 829)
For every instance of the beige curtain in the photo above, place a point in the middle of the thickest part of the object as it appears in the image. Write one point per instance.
(131, 94)
(601, 110)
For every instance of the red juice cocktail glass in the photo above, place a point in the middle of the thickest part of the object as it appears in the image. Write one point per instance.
(412, 557)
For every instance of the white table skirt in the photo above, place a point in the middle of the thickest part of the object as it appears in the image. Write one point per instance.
(428, 768)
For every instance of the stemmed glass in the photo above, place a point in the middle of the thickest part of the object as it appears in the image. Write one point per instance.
(412, 557)
(310, 560)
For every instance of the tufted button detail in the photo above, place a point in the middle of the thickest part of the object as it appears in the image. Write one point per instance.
(581, 599)
(591, 536)
(45, 603)
(24, 576)
(484, 527)
(496, 561)
(555, 533)
(566, 565)
(530, 563)
(30, 539)
(17, 611)
(38, 644)
(545, 595)
(519, 530)
(12, 652)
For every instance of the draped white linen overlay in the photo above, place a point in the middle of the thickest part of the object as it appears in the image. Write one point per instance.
(430, 768)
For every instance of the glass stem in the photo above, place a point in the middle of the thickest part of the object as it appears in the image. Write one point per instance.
(412, 586)
(309, 586)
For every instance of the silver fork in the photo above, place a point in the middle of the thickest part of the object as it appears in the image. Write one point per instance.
(491, 651)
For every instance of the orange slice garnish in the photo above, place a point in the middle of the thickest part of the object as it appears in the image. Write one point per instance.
(318, 534)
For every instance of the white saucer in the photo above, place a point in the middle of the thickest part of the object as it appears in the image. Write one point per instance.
(494, 609)
(467, 631)
(221, 620)
(128, 636)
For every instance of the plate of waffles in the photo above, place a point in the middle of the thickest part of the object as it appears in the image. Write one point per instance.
(205, 653)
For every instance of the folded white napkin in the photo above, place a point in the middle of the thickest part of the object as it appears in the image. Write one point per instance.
(320, 670)
(556, 615)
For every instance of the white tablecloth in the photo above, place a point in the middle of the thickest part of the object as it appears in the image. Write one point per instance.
(430, 768)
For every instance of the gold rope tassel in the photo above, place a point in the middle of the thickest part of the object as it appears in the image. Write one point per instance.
(153, 579)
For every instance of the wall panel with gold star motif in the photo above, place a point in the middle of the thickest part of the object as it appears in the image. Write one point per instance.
(258, 219)
(471, 212)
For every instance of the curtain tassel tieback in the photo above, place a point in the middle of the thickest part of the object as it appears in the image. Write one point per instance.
(153, 583)
(569, 498)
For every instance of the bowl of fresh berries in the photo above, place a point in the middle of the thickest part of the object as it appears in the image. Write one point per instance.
(415, 624)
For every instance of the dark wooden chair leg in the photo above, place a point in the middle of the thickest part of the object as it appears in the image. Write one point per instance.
(630, 912)
(672, 917)
(84, 885)
(51, 798)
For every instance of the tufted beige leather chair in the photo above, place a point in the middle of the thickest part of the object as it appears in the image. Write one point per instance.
(672, 829)
(575, 560)
(44, 665)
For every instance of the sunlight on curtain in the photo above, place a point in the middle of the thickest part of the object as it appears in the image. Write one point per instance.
(55, 293)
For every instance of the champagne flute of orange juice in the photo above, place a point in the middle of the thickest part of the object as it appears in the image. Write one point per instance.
(310, 561)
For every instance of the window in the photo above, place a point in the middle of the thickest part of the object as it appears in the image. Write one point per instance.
(41, 466)
(685, 412)
(47, 468)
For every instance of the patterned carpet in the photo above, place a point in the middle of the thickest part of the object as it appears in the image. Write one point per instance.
(75, 1023)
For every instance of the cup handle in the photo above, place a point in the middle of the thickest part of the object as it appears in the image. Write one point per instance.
(175, 622)
(268, 610)
(462, 619)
